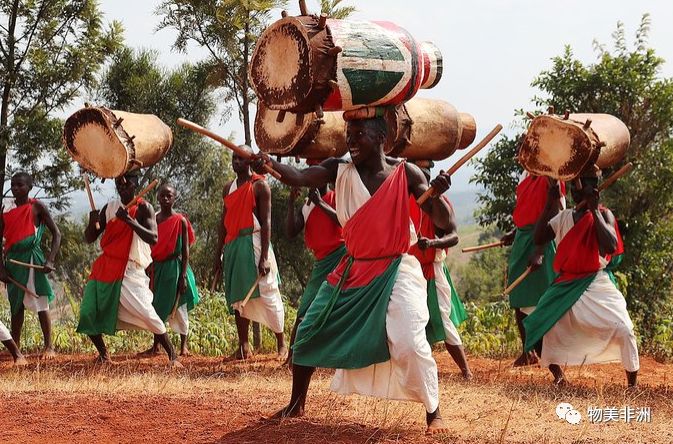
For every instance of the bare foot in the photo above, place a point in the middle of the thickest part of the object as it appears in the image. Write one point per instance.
(436, 426)
(103, 361)
(176, 365)
(153, 351)
(560, 381)
(526, 359)
(467, 375)
(20, 361)
(283, 354)
(48, 354)
(288, 412)
(242, 353)
(184, 352)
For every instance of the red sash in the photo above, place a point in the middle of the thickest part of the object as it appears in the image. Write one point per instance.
(116, 245)
(321, 234)
(19, 224)
(424, 228)
(169, 231)
(531, 197)
(240, 206)
(377, 234)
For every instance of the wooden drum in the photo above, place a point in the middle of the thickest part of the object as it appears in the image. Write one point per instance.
(561, 146)
(309, 64)
(109, 143)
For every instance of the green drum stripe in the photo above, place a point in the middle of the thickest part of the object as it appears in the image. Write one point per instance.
(369, 86)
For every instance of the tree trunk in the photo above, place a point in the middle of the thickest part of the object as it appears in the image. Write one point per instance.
(244, 84)
(6, 94)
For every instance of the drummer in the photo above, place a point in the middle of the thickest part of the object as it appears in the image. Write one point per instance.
(117, 295)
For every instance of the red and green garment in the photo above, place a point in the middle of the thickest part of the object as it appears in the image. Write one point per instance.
(167, 266)
(240, 268)
(100, 304)
(22, 243)
(577, 264)
(531, 198)
(345, 326)
(434, 331)
(325, 240)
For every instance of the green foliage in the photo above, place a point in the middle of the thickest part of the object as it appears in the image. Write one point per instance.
(482, 279)
(75, 256)
(333, 10)
(50, 50)
(490, 330)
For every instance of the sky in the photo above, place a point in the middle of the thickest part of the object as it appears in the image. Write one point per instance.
(492, 49)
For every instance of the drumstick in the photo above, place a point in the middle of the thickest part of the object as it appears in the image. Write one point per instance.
(518, 280)
(251, 291)
(87, 185)
(24, 264)
(483, 247)
(494, 132)
(239, 152)
(609, 181)
(22, 287)
(146, 190)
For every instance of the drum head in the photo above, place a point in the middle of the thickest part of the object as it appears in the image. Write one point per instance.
(280, 138)
(556, 148)
(89, 138)
(280, 69)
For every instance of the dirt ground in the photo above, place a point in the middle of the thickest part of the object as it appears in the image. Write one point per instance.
(211, 401)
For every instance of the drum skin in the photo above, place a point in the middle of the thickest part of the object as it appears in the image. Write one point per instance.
(109, 142)
(561, 148)
(422, 129)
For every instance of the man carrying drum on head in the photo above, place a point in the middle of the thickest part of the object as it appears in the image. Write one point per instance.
(117, 295)
(250, 270)
(368, 320)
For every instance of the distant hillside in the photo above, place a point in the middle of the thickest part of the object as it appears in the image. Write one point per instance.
(464, 205)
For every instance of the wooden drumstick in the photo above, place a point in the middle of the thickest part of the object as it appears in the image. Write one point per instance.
(483, 247)
(146, 190)
(609, 181)
(24, 264)
(518, 280)
(252, 290)
(232, 146)
(22, 287)
(494, 132)
(87, 185)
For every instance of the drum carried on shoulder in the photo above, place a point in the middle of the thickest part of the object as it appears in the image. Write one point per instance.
(109, 142)
(562, 146)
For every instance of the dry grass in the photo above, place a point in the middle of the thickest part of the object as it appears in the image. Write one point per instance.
(141, 400)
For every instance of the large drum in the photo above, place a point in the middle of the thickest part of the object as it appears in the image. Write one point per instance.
(421, 129)
(109, 143)
(561, 146)
(305, 64)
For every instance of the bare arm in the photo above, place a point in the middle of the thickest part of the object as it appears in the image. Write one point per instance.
(437, 208)
(263, 208)
(45, 217)
(312, 177)
(605, 231)
(314, 196)
(221, 233)
(543, 231)
(91, 233)
(144, 224)
(294, 222)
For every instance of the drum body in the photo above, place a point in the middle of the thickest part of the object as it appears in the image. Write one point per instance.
(561, 148)
(109, 143)
(298, 66)
(421, 129)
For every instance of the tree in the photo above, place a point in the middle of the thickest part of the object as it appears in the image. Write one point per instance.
(228, 29)
(626, 83)
(333, 10)
(50, 50)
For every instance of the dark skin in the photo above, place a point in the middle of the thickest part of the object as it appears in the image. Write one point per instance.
(167, 196)
(447, 239)
(145, 226)
(365, 144)
(21, 186)
(19, 359)
(293, 226)
(535, 261)
(262, 212)
(604, 222)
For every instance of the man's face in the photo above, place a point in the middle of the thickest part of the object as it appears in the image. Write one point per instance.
(20, 187)
(588, 185)
(239, 164)
(362, 140)
(126, 187)
(166, 198)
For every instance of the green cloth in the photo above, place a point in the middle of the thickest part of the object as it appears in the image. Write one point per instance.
(165, 284)
(240, 268)
(99, 307)
(347, 328)
(27, 250)
(612, 266)
(458, 312)
(554, 303)
(321, 269)
(434, 331)
(529, 291)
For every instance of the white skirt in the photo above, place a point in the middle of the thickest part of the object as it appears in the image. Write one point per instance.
(135, 302)
(4, 333)
(411, 372)
(444, 299)
(595, 330)
(30, 302)
(180, 321)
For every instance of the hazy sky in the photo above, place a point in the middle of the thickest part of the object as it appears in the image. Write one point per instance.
(492, 48)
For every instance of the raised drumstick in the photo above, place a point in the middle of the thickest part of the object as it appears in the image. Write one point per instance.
(87, 185)
(206, 132)
(482, 247)
(145, 190)
(494, 132)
